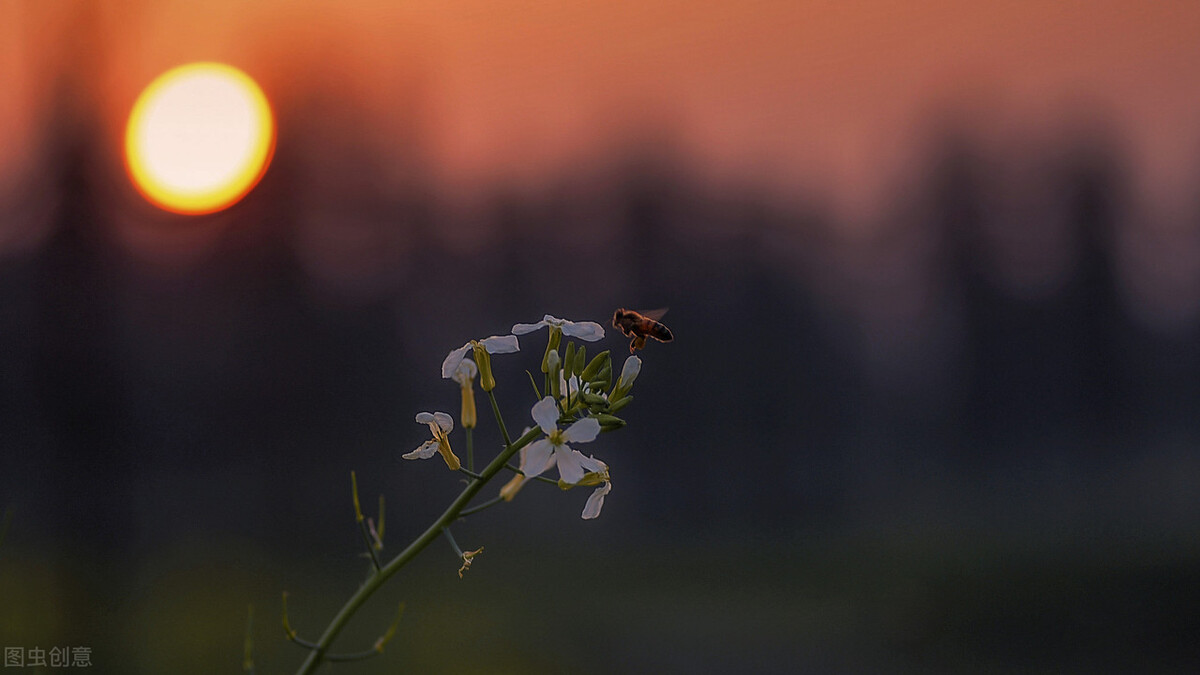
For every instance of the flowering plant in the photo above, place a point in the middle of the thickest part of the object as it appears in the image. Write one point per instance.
(577, 401)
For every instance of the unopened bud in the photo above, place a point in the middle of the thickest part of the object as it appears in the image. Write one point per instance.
(592, 399)
(609, 422)
(551, 345)
(483, 361)
(568, 363)
(629, 373)
(616, 405)
(594, 367)
(553, 364)
(601, 380)
(580, 360)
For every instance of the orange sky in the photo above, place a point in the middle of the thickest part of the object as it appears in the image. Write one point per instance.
(835, 96)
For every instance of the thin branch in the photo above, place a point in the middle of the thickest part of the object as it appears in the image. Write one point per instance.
(367, 589)
(379, 532)
(453, 544)
(362, 524)
(534, 384)
(480, 507)
(499, 420)
(313, 647)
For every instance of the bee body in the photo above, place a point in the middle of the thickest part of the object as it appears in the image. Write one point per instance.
(639, 326)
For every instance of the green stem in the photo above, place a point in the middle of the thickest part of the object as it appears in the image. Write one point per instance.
(499, 419)
(370, 544)
(480, 507)
(513, 469)
(470, 450)
(317, 655)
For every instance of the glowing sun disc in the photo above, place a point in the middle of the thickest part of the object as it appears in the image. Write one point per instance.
(199, 138)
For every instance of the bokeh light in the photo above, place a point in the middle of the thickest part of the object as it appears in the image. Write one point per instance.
(199, 138)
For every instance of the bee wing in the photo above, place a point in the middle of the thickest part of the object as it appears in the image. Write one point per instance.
(653, 314)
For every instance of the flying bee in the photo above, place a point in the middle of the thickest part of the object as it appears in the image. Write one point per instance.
(641, 325)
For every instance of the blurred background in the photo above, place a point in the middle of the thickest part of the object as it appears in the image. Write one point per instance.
(933, 271)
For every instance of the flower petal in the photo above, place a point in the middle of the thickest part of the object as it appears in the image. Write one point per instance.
(583, 431)
(452, 360)
(523, 328)
(545, 413)
(593, 465)
(595, 502)
(444, 421)
(537, 458)
(428, 449)
(570, 464)
(501, 344)
(425, 418)
(465, 371)
(584, 330)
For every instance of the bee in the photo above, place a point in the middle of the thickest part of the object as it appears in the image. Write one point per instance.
(641, 325)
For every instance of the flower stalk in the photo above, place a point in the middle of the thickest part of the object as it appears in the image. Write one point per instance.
(575, 405)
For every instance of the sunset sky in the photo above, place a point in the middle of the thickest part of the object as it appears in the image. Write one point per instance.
(832, 96)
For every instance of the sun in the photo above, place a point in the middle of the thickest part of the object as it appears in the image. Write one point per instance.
(199, 138)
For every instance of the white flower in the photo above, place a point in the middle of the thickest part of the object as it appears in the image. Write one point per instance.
(496, 344)
(574, 468)
(440, 425)
(584, 330)
(554, 446)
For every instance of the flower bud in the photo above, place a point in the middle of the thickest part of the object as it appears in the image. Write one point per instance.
(592, 399)
(602, 380)
(551, 345)
(568, 363)
(629, 373)
(484, 362)
(616, 405)
(552, 365)
(609, 422)
(580, 359)
(594, 367)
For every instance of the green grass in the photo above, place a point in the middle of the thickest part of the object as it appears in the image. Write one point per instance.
(763, 605)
